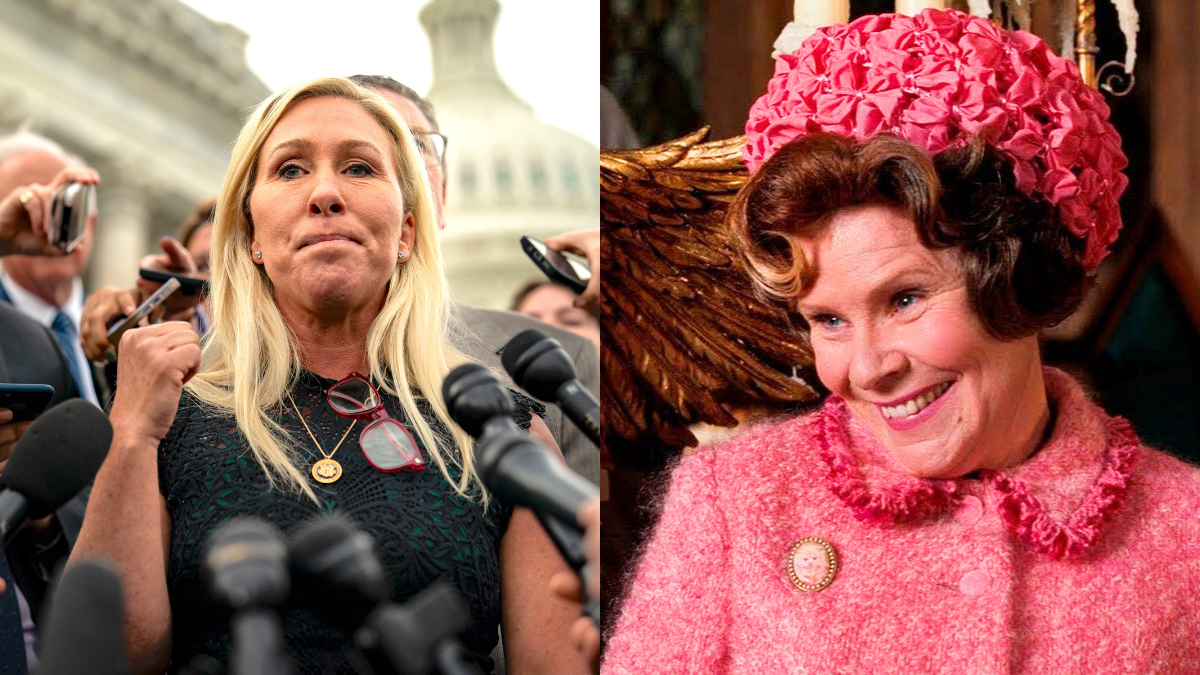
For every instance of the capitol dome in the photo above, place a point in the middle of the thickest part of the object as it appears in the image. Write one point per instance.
(508, 173)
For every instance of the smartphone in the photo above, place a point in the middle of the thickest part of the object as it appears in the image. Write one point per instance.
(69, 210)
(118, 329)
(189, 285)
(26, 401)
(567, 269)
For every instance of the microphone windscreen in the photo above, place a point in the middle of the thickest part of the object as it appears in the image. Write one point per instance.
(58, 456)
(83, 631)
(335, 568)
(538, 364)
(516, 348)
(245, 563)
(473, 396)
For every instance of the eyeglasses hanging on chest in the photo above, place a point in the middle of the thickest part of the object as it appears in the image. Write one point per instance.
(385, 442)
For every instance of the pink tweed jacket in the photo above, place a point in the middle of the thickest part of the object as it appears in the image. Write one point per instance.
(1084, 559)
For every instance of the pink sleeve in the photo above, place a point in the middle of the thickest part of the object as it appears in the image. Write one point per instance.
(674, 617)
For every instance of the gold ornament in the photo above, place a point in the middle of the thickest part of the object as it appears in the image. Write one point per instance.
(323, 470)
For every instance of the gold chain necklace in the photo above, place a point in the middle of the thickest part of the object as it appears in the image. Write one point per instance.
(323, 470)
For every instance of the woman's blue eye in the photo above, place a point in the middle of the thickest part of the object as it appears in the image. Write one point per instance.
(827, 321)
(360, 170)
(289, 171)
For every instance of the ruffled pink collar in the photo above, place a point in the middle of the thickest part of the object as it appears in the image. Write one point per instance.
(1082, 434)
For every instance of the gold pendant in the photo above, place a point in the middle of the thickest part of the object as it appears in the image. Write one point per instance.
(326, 470)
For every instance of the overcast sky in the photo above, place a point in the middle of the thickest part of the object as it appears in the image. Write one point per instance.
(547, 50)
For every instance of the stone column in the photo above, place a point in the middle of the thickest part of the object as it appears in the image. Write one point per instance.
(122, 232)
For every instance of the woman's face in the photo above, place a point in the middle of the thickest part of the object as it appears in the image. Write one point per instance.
(894, 334)
(327, 209)
(554, 305)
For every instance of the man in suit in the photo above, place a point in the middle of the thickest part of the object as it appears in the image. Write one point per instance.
(49, 289)
(488, 330)
(29, 354)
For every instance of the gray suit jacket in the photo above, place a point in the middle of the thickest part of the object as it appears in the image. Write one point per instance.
(487, 330)
(29, 354)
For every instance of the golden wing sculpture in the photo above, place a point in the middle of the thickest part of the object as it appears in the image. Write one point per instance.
(684, 335)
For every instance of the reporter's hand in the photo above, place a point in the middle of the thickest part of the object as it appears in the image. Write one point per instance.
(585, 243)
(175, 259)
(99, 310)
(156, 361)
(25, 214)
(584, 634)
(589, 518)
(10, 433)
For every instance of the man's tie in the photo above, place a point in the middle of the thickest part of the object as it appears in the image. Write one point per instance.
(12, 636)
(68, 338)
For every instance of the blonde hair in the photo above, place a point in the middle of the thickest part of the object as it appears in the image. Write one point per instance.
(248, 356)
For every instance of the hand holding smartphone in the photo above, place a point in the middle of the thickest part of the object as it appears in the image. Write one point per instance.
(190, 285)
(562, 268)
(118, 329)
(26, 401)
(69, 210)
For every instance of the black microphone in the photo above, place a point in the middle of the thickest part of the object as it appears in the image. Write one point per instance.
(518, 469)
(57, 457)
(511, 464)
(336, 571)
(83, 633)
(246, 569)
(338, 574)
(540, 366)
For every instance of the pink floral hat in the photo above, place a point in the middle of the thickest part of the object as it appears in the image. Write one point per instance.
(941, 78)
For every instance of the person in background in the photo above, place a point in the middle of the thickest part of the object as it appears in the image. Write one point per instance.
(30, 353)
(50, 288)
(187, 255)
(196, 237)
(556, 305)
(487, 330)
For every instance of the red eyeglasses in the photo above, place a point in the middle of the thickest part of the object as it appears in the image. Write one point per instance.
(386, 443)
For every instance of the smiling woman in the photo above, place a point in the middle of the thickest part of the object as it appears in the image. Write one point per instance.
(327, 283)
(905, 208)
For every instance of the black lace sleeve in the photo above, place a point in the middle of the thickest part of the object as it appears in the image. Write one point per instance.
(525, 408)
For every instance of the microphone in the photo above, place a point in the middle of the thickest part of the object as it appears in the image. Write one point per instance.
(540, 366)
(338, 574)
(246, 569)
(510, 463)
(57, 457)
(515, 467)
(84, 629)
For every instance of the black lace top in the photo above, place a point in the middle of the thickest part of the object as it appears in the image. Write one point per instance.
(423, 529)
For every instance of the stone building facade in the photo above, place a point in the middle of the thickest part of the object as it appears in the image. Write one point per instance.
(149, 92)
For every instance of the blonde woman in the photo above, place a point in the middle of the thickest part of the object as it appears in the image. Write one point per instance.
(325, 264)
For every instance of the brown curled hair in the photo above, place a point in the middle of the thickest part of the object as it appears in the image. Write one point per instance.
(1024, 270)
